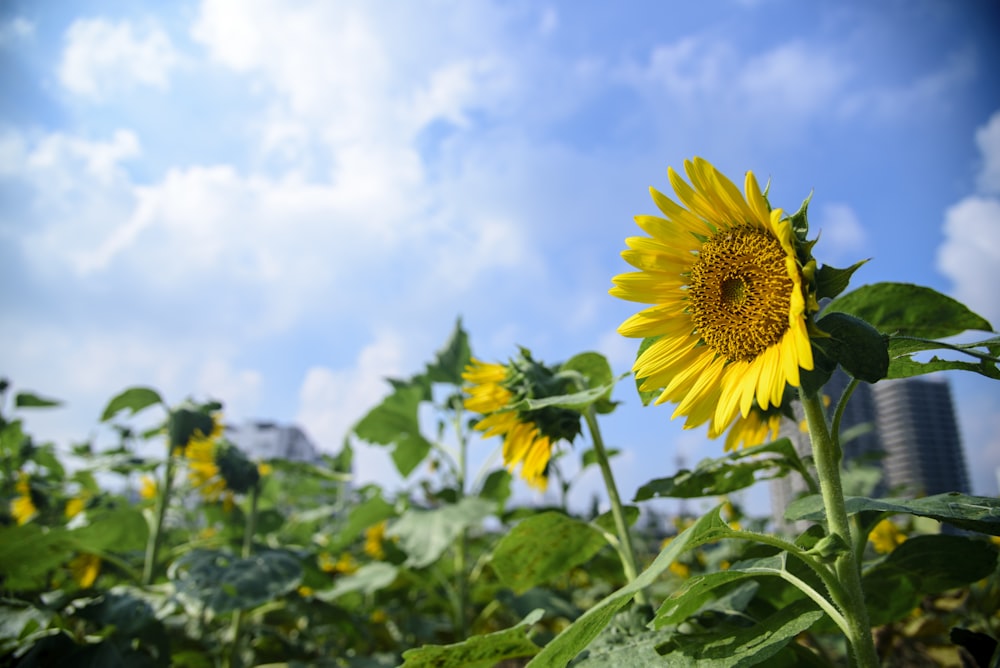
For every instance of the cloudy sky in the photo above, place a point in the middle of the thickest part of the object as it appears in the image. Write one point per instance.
(280, 203)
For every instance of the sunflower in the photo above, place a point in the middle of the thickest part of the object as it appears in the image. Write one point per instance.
(85, 568)
(528, 436)
(23, 507)
(755, 428)
(886, 537)
(729, 299)
(203, 471)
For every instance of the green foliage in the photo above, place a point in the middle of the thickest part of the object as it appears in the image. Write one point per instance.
(974, 513)
(541, 547)
(482, 651)
(221, 583)
(132, 400)
(424, 535)
(395, 422)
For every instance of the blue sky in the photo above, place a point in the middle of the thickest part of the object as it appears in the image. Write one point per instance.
(279, 204)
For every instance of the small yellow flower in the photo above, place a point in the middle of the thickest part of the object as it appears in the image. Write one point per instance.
(305, 591)
(374, 535)
(75, 506)
(345, 564)
(378, 616)
(23, 508)
(680, 569)
(886, 536)
(264, 469)
(147, 487)
(84, 568)
(208, 532)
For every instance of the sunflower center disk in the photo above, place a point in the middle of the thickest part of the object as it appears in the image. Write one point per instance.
(739, 293)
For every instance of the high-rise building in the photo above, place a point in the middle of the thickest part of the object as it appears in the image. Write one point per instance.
(919, 433)
(906, 429)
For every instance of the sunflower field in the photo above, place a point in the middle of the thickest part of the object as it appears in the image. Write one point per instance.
(176, 548)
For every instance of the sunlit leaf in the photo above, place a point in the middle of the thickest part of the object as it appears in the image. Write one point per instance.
(451, 360)
(910, 310)
(395, 422)
(975, 513)
(594, 367)
(133, 400)
(368, 579)
(580, 633)
(542, 547)
(831, 281)
(425, 534)
(479, 651)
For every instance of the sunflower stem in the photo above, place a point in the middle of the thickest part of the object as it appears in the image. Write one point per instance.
(156, 530)
(851, 599)
(627, 553)
(462, 540)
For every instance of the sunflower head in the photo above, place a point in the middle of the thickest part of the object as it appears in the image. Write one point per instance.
(529, 434)
(730, 287)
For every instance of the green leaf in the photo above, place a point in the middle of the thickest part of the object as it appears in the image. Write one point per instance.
(496, 487)
(910, 310)
(368, 579)
(975, 513)
(224, 583)
(855, 345)
(625, 643)
(902, 365)
(831, 281)
(606, 520)
(743, 646)
(921, 566)
(480, 651)
(112, 530)
(646, 396)
(581, 632)
(368, 513)
(589, 457)
(133, 400)
(543, 546)
(576, 401)
(698, 590)
(29, 552)
(425, 534)
(450, 362)
(714, 477)
(595, 369)
(29, 400)
(395, 422)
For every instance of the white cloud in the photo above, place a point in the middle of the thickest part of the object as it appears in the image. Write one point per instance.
(988, 140)
(331, 401)
(16, 30)
(792, 79)
(100, 55)
(970, 254)
(842, 237)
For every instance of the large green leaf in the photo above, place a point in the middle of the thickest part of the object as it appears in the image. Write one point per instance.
(395, 422)
(133, 400)
(112, 530)
(580, 633)
(921, 566)
(741, 646)
(223, 583)
(543, 546)
(737, 470)
(902, 364)
(910, 310)
(480, 651)
(451, 360)
(368, 579)
(29, 552)
(425, 534)
(975, 513)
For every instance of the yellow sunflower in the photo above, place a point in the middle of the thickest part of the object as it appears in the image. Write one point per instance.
(524, 443)
(85, 568)
(755, 428)
(203, 471)
(23, 507)
(886, 537)
(728, 295)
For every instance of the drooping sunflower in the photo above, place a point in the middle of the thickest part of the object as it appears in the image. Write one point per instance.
(729, 298)
(753, 429)
(528, 436)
